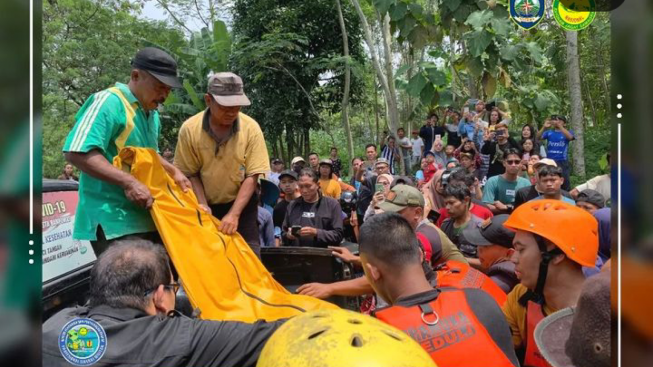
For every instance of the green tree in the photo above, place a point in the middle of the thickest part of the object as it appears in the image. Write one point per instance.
(290, 55)
(87, 47)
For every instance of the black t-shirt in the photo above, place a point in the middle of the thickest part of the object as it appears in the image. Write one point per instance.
(279, 213)
(366, 192)
(496, 153)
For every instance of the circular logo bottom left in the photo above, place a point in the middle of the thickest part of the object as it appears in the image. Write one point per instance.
(82, 342)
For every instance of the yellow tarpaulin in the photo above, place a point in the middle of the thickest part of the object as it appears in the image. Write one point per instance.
(220, 273)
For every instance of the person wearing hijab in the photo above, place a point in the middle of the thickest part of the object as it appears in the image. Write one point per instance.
(384, 181)
(433, 194)
(439, 155)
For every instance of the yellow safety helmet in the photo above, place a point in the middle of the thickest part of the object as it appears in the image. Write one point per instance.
(336, 338)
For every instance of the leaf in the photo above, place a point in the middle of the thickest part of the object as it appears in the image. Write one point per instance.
(437, 77)
(478, 42)
(416, 9)
(500, 12)
(383, 5)
(402, 70)
(463, 12)
(435, 99)
(406, 25)
(479, 19)
(541, 102)
(603, 162)
(509, 52)
(453, 4)
(221, 45)
(535, 52)
(418, 37)
(489, 84)
(427, 94)
(500, 26)
(416, 84)
(193, 96)
(475, 66)
(504, 78)
(398, 11)
(446, 98)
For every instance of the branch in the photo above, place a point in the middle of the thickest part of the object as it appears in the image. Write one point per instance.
(308, 97)
(164, 6)
(200, 14)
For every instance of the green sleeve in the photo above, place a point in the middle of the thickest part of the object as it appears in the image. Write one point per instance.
(97, 124)
(489, 191)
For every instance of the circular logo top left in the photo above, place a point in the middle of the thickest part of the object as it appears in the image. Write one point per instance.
(82, 342)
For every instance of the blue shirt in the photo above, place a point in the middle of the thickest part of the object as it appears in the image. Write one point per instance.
(466, 129)
(266, 227)
(556, 144)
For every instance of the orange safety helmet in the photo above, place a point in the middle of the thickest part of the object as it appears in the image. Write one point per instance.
(573, 230)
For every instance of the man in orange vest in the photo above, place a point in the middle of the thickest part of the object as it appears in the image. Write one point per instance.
(457, 327)
(553, 241)
(451, 270)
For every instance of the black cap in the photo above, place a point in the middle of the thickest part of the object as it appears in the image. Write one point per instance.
(276, 160)
(491, 232)
(289, 173)
(592, 197)
(158, 63)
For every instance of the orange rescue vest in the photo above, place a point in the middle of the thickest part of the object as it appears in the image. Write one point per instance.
(460, 275)
(448, 330)
(533, 357)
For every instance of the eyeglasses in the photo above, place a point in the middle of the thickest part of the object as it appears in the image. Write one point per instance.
(514, 162)
(174, 287)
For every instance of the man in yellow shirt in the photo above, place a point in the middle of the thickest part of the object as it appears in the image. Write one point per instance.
(328, 183)
(223, 152)
(553, 241)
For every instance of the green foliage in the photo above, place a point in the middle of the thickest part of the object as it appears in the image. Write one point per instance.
(290, 56)
(87, 47)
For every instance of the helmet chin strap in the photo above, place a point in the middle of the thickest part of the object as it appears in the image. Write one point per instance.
(537, 295)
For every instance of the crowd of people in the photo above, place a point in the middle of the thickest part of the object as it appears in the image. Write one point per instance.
(467, 237)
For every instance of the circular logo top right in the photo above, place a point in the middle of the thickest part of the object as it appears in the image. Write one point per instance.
(574, 15)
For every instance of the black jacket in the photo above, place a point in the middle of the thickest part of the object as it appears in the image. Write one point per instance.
(496, 160)
(326, 217)
(136, 339)
(428, 133)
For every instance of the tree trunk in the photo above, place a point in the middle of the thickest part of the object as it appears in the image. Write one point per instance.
(575, 97)
(307, 141)
(589, 97)
(385, 80)
(345, 95)
(291, 144)
(285, 156)
(376, 112)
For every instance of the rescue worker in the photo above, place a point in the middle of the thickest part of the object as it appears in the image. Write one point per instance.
(457, 327)
(452, 270)
(494, 244)
(112, 203)
(553, 241)
(223, 152)
(337, 338)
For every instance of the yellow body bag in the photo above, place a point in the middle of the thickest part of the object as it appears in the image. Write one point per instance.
(221, 274)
